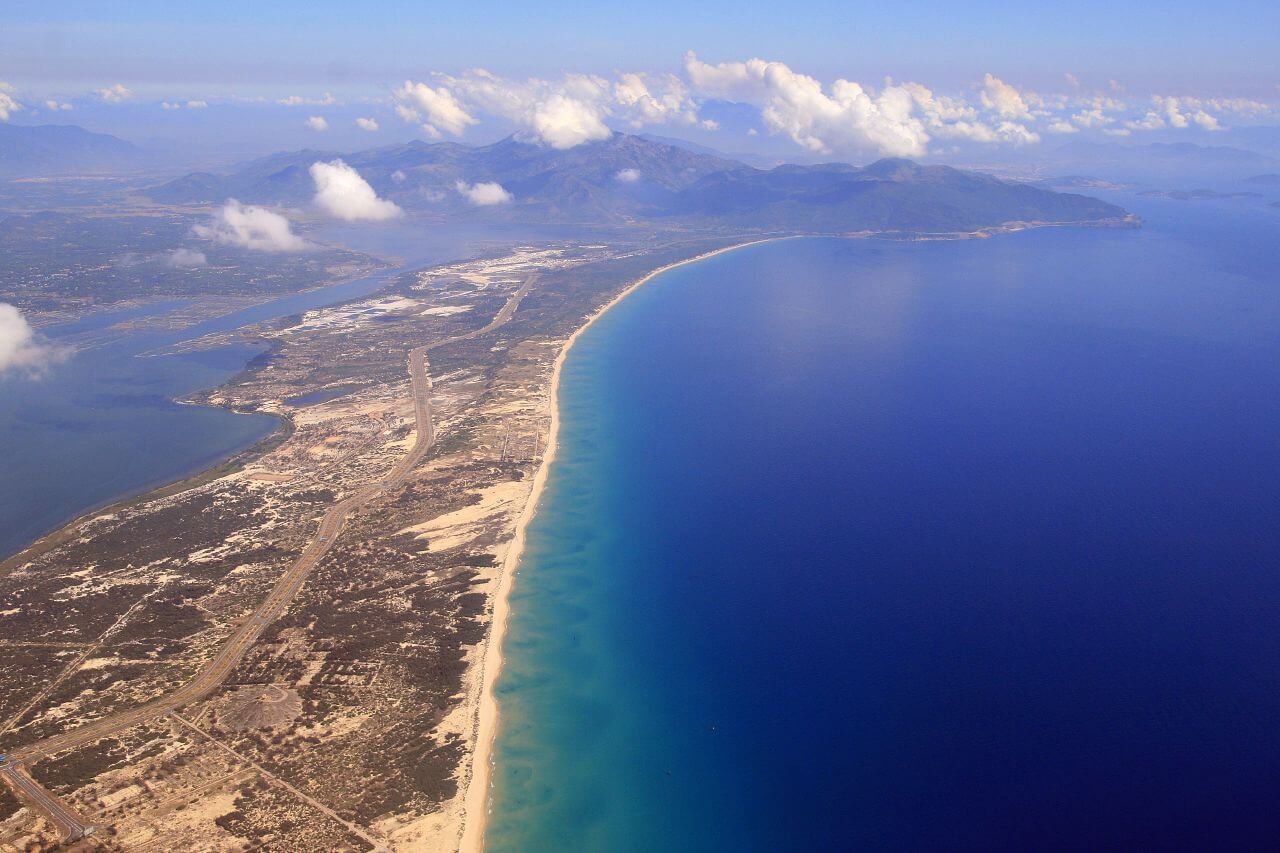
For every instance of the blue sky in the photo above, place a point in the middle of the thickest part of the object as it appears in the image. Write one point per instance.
(1197, 48)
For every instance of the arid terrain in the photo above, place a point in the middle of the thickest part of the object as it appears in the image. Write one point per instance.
(288, 655)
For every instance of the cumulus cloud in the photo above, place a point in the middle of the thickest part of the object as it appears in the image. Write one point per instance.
(115, 94)
(7, 103)
(166, 105)
(1175, 113)
(565, 122)
(1240, 106)
(54, 105)
(840, 117)
(947, 117)
(1014, 133)
(561, 114)
(184, 258)
(436, 108)
(843, 118)
(197, 105)
(318, 124)
(483, 194)
(1003, 99)
(249, 227)
(21, 349)
(663, 99)
(1181, 113)
(628, 176)
(342, 193)
(368, 124)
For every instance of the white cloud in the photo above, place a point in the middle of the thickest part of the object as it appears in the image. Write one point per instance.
(7, 103)
(249, 227)
(21, 349)
(1092, 117)
(342, 193)
(1179, 113)
(184, 258)
(839, 117)
(565, 122)
(1004, 100)
(165, 105)
(483, 194)
(368, 124)
(437, 109)
(562, 113)
(297, 100)
(1240, 106)
(115, 94)
(844, 118)
(1016, 134)
(54, 105)
(1151, 121)
(738, 81)
(628, 176)
(663, 99)
(318, 124)
(197, 105)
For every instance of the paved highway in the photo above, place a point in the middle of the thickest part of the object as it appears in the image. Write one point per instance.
(272, 607)
(66, 821)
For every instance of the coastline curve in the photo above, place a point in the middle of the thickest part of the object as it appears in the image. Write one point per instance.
(478, 798)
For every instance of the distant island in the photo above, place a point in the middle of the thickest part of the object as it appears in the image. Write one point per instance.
(1196, 195)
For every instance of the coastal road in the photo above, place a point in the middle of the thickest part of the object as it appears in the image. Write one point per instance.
(334, 521)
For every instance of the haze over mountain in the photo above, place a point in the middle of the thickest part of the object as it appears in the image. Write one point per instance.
(1159, 161)
(628, 177)
(60, 149)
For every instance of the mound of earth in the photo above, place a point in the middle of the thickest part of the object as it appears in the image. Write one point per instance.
(259, 707)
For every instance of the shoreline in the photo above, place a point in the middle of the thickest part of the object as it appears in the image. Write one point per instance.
(476, 801)
(63, 530)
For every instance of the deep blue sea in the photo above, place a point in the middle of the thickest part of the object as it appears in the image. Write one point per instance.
(913, 546)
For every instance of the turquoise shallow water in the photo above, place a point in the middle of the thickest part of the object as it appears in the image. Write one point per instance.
(967, 545)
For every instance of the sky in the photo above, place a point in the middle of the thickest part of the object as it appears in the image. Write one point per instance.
(1222, 48)
(338, 71)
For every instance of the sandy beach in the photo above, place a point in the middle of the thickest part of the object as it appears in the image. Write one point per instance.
(477, 801)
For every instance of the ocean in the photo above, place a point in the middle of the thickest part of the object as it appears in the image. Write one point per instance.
(876, 545)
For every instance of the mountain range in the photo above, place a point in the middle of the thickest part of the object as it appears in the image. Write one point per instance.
(630, 178)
